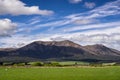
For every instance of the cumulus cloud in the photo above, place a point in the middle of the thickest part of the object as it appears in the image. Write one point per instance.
(7, 27)
(75, 1)
(17, 7)
(90, 5)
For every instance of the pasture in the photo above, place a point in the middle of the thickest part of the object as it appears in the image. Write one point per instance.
(60, 73)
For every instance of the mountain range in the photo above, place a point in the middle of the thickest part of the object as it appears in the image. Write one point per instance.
(59, 51)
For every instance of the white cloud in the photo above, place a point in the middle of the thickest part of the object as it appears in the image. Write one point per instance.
(7, 27)
(109, 9)
(83, 21)
(51, 24)
(19, 40)
(104, 33)
(34, 20)
(99, 26)
(90, 5)
(75, 1)
(17, 7)
(111, 40)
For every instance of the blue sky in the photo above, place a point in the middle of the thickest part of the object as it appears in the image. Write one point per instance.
(85, 22)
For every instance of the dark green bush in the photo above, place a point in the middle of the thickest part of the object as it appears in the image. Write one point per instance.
(37, 64)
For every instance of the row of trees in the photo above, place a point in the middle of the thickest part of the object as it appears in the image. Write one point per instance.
(54, 63)
(30, 64)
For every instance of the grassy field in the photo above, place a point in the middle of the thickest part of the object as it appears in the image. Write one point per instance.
(73, 63)
(54, 73)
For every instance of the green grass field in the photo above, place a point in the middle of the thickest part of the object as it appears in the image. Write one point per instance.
(83, 73)
(73, 63)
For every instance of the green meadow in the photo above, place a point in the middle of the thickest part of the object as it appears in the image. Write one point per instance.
(60, 73)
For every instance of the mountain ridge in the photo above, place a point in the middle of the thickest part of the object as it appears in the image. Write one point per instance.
(59, 50)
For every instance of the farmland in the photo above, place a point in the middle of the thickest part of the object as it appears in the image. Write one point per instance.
(60, 73)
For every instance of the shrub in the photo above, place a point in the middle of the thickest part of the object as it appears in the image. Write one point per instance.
(117, 64)
(55, 63)
(19, 64)
(37, 64)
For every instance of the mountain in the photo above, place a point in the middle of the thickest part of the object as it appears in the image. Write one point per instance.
(59, 50)
(103, 53)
